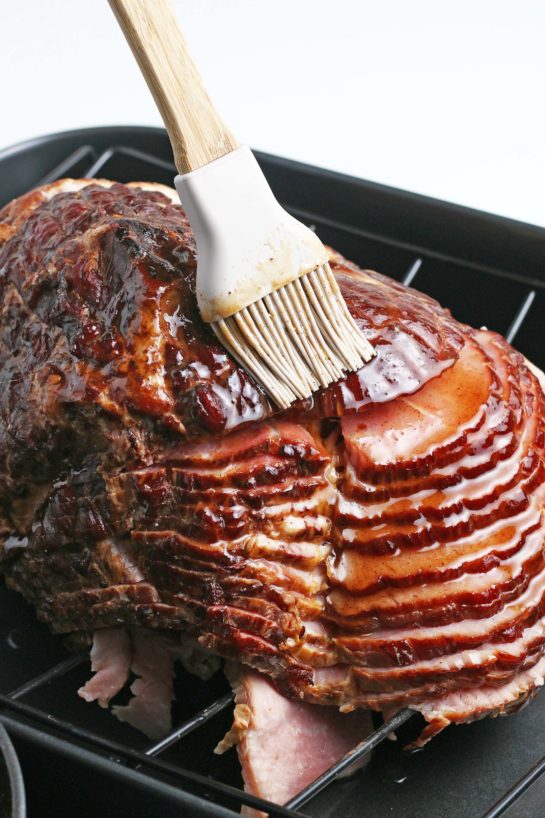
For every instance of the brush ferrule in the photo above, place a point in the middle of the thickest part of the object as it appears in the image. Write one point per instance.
(248, 245)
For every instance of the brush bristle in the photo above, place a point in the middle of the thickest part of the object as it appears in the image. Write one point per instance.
(298, 338)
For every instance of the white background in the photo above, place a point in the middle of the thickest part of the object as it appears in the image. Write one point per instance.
(443, 98)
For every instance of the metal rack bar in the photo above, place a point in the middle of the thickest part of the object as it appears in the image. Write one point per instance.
(191, 724)
(180, 800)
(411, 272)
(67, 164)
(132, 153)
(350, 758)
(53, 673)
(136, 757)
(99, 162)
(415, 249)
(305, 216)
(198, 720)
(520, 316)
(521, 786)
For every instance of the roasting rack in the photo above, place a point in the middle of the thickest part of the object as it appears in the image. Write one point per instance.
(488, 271)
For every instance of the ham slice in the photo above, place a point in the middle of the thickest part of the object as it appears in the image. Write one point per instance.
(111, 657)
(153, 689)
(284, 745)
(115, 654)
(151, 657)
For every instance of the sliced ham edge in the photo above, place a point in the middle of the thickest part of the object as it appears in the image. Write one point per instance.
(461, 706)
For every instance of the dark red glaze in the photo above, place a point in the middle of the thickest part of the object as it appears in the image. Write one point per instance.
(113, 268)
(412, 340)
(374, 651)
(494, 551)
(452, 602)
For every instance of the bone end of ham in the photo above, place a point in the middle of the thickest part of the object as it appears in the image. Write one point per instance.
(284, 745)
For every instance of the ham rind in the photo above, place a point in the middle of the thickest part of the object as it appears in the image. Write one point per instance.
(284, 745)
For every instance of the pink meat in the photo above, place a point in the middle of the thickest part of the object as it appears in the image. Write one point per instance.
(116, 652)
(282, 744)
(153, 664)
(111, 657)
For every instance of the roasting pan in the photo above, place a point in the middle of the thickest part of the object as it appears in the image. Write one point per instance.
(78, 760)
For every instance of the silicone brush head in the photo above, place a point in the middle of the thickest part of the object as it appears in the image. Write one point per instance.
(298, 338)
(264, 282)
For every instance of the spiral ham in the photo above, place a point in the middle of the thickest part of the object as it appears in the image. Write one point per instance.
(378, 546)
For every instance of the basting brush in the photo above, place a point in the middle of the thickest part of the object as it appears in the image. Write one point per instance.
(264, 283)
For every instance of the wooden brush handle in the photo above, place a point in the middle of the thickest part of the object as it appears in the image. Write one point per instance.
(196, 132)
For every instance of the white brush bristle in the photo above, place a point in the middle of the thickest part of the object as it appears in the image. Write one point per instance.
(298, 338)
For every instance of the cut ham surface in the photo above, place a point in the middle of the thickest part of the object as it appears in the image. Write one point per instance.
(378, 546)
(111, 658)
(284, 745)
(152, 663)
(150, 657)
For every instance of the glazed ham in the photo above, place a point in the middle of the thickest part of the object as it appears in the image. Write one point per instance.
(375, 547)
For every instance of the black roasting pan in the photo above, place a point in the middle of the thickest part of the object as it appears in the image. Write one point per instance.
(77, 760)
